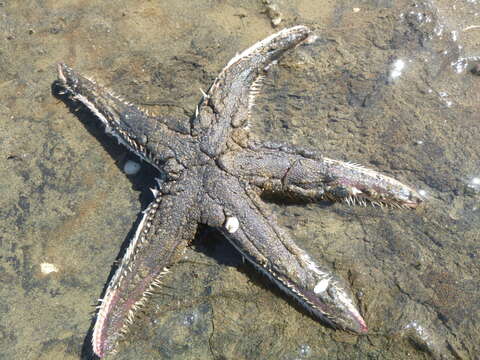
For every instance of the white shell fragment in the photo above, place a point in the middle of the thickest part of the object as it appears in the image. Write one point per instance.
(321, 286)
(397, 68)
(47, 268)
(231, 224)
(131, 167)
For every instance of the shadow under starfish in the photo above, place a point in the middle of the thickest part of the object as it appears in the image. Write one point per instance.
(210, 172)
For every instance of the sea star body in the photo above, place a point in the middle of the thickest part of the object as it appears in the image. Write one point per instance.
(212, 173)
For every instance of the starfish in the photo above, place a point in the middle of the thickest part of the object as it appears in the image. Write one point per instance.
(211, 172)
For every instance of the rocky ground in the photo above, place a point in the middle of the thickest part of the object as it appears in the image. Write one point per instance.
(387, 84)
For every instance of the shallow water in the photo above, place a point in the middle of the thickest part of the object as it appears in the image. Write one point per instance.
(387, 84)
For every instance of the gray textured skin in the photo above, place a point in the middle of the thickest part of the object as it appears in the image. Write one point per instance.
(211, 173)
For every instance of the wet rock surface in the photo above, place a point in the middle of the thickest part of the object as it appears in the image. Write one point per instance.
(387, 84)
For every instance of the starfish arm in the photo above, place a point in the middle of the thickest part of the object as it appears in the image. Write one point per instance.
(286, 170)
(240, 215)
(149, 136)
(168, 225)
(227, 103)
